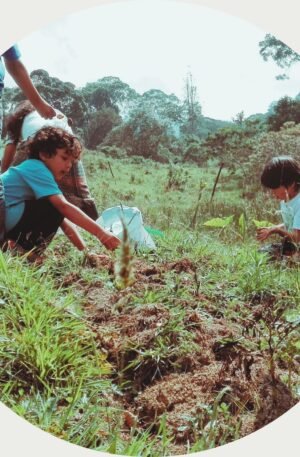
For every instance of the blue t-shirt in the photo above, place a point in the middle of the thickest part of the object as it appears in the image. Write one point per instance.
(12, 53)
(30, 180)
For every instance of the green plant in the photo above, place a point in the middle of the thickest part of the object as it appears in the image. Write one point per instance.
(202, 186)
(279, 335)
(259, 224)
(177, 178)
(170, 343)
(219, 222)
(207, 425)
(123, 268)
(39, 343)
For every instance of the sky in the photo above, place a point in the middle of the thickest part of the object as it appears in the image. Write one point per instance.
(153, 45)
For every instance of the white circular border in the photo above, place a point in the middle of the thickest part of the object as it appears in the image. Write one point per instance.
(17, 436)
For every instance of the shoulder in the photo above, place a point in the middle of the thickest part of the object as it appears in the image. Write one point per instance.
(37, 174)
(12, 53)
(31, 163)
(34, 165)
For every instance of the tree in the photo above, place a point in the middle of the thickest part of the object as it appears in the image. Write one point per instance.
(111, 92)
(283, 55)
(239, 119)
(166, 109)
(141, 135)
(286, 110)
(232, 145)
(97, 97)
(193, 150)
(63, 95)
(192, 108)
(100, 124)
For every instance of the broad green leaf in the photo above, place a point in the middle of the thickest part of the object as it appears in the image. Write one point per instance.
(154, 232)
(260, 224)
(242, 224)
(293, 317)
(219, 222)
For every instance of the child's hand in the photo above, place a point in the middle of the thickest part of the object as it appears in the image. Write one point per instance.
(110, 241)
(263, 233)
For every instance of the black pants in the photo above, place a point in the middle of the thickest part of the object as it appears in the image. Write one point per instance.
(277, 251)
(37, 226)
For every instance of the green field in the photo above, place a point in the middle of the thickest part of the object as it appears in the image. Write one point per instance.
(199, 348)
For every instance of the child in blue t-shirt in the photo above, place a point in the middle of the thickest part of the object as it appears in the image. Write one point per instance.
(281, 175)
(34, 207)
(22, 124)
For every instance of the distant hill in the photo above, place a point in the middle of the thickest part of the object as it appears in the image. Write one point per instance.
(209, 125)
(258, 117)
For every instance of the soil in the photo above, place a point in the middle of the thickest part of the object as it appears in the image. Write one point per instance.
(221, 361)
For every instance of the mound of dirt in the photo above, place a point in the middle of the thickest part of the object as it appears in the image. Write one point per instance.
(181, 377)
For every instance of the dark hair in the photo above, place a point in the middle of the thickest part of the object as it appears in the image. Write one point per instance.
(281, 171)
(48, 139)
(14, 122)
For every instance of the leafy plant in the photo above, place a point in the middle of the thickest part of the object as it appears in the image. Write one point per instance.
(207, 424)
(219, 222)
(260, 224)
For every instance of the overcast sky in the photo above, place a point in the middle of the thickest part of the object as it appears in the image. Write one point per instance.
(154, 45)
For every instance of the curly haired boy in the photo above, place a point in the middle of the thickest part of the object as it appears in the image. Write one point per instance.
(32, 204)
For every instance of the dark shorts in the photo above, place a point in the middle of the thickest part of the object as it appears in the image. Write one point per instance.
(37, 226)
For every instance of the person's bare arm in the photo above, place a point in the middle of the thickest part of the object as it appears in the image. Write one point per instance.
(19, 73)
(78, 217)
(264, 232)
(73, 235)
(293, 235)
(8, 156)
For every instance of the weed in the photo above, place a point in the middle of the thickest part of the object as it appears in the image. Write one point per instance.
(177, 178)
(124, 276)
(170, 342)
(207, 426)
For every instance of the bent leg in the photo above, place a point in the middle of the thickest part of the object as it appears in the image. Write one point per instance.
(37, 226)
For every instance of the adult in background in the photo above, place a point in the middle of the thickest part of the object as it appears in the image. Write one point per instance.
(10, 60)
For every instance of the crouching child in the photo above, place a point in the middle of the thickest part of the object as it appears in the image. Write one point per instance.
(281, 175)
(32, 206)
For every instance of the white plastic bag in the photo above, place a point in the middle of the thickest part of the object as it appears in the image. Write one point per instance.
(111, 220)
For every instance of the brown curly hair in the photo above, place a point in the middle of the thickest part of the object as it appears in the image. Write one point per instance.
(14, 121)
(48, 139)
